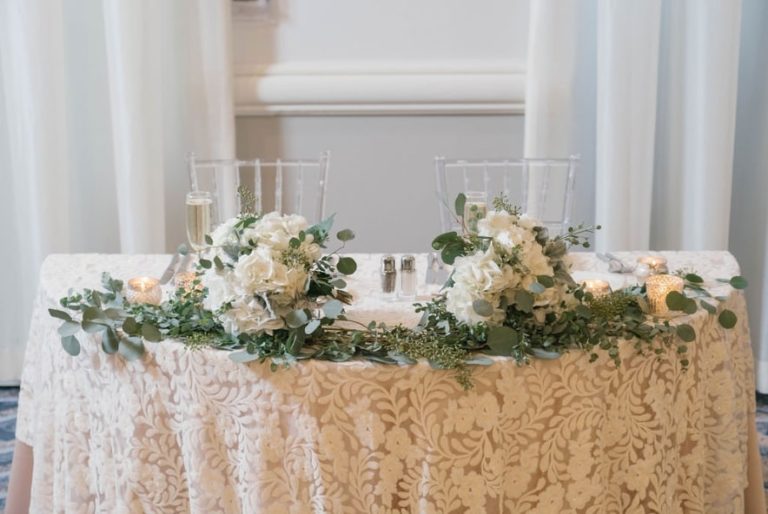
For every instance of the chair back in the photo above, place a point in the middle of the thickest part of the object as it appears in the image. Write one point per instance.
(542, 188)
(288, 186)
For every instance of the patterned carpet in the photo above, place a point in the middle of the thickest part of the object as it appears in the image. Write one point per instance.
(9, 402)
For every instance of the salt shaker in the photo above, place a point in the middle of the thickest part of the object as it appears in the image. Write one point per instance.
(388, 276)
(408, 277)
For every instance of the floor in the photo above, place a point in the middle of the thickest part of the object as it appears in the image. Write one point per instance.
(9, 402)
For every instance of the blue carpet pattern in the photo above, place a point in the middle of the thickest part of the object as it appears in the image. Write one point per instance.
(762, 435)
(9, 399)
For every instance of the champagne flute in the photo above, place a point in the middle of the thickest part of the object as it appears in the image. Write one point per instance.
(199, 207)
(475, 209)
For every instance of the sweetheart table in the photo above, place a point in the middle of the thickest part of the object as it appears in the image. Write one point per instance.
(192, 431)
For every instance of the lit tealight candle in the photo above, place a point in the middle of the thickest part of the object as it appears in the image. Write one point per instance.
(144, 290)
(658, 287)
(185, 279)
(650, 265)
(598, 288)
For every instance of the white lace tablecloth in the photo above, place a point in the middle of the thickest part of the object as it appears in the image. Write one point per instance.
(192, 431)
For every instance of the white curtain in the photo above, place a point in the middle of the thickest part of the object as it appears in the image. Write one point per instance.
(100, 100)
(661, 81)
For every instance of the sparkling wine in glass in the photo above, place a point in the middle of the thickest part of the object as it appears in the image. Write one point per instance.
(475, 209)
(199, 207)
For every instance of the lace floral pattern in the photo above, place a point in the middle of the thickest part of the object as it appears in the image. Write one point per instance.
(192, 431)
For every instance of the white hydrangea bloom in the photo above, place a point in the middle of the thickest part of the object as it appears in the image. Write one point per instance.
(262, 277)
(486, 276)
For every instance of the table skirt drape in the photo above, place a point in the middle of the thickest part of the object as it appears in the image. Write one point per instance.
(193, 431)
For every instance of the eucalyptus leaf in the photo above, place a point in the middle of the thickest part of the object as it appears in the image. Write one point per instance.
(694, 278)
(345, 235)
(208, 239)
(536, 288)
(312, 326)
(205, 263)
(93, 313)
(333, 309)
(546, 280)
(479, 360)
(114, 314)
(151, 333)
(738, 282)
(708, 307)
(523, 300)
(346, 265)
(62, 315)
(93, 327)
(544, 354)
(109, 341)
(131, 327)
(482, 307)
(339, 283)
(727, 318)
(686, 332)
(676, 301)
(502, 340)
(461, 201)
(450, 252)
(402, 359)
(69, 328)
(296, 318)
(690, 306)
(71, 345)
(243, 356)
(131, 348)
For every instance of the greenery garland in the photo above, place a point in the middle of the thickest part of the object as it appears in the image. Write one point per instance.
(593, 325)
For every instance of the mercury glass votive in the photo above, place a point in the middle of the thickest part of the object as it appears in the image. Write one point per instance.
(598, 288)
(184, 280)
(650, 265)
(657, 288)
(144, 290)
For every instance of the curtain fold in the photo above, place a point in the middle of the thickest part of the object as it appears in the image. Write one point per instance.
(681, 132)
(100, 101)
(627, 64)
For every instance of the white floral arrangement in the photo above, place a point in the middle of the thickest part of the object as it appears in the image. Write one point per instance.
(513, 267)
(259, 270)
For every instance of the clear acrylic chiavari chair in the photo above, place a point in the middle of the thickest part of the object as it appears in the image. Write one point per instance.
(542, 188)
(288, 186)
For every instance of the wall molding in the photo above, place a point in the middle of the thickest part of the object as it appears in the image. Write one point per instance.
(386, 88)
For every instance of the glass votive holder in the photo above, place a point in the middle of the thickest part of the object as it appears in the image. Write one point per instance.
(144, 290)
(184, 280)
(657, 288)
(650, 265)
(598, 288)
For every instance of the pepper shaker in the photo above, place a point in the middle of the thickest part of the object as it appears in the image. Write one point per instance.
(388, 276)
(408, 277)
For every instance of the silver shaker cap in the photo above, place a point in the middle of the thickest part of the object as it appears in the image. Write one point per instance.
(388, 264)
(408, 263)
